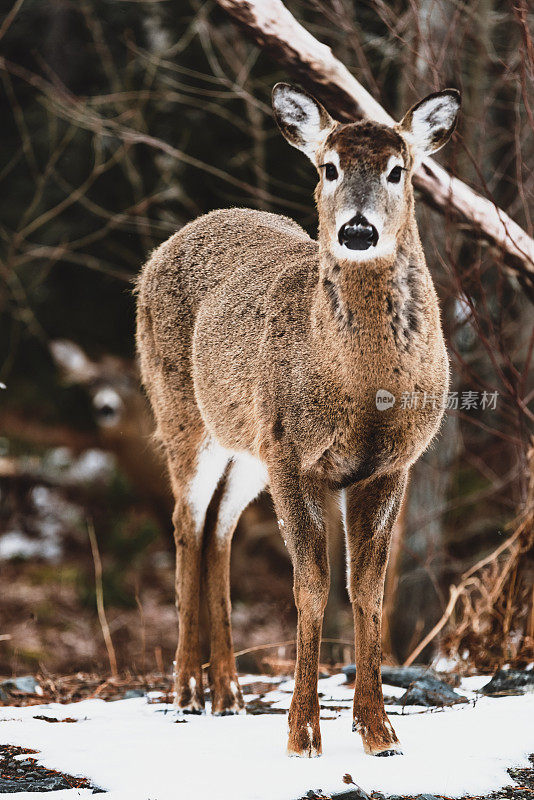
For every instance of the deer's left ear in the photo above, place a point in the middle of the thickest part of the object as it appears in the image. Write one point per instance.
(429, 124)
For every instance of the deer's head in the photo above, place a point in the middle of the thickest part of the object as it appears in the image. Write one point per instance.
(112, 384)
(364, 195)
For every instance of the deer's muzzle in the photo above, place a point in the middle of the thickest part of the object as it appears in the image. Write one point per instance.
(358, 233)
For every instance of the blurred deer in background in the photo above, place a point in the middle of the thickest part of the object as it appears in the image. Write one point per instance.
(122, 414)
(265, 355)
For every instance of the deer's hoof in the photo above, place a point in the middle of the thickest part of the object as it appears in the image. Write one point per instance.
(190, 709)
(189, 696)
(304, 742)
(387, 753)
(227, 700)
(379, 740)
(230, 710)
(310, 752)
(189, 704)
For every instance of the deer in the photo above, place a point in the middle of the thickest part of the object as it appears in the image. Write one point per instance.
(122, 417)
(264, 354)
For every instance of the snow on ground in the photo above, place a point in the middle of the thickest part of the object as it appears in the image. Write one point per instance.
(136, 751)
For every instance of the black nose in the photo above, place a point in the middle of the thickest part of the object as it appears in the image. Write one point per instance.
(358, 234)
(106, 411)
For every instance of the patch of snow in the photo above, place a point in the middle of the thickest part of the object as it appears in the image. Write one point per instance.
(135, 752)
(244, 680)
(393, 691)
(17, 545)
(444, 664)
(92, 466)
(473, 684)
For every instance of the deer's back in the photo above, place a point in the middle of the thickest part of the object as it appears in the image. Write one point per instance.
(236, 258)
(207, 251)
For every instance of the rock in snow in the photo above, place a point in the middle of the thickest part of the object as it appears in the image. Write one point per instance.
(510, 681)
(26, 684)
(430, 691)
(424, 686)
(404, 676)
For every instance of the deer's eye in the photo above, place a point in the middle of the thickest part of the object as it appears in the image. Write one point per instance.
(330, 172)
(395, 174)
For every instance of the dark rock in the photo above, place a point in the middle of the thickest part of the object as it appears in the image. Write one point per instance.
(28, 776)
(8, 787)
(261, 707)
(430, 691)
(427, 797)
(509, 681)
(405, 676)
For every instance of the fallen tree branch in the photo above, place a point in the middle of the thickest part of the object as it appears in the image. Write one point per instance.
(276, 31)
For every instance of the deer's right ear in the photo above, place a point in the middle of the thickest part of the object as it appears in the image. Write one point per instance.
(303, 121)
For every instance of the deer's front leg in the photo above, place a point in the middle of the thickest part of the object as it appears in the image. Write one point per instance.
(299, 509)
(369, 517)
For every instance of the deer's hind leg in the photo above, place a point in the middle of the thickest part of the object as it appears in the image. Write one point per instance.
(195, 473)
(245, 479)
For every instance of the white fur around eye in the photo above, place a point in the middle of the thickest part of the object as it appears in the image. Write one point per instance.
(331, 157)
(393, 161)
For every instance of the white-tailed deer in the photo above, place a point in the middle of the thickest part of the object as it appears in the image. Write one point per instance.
(262, 352)
(122, 416)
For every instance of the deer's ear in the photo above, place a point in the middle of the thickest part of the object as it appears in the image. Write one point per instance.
(303, 121)
(429, 124)
(74, 365)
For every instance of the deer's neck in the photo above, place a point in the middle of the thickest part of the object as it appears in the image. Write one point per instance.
(384, 304)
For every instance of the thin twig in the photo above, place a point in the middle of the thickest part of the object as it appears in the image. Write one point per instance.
(100, 600)
(287, 643)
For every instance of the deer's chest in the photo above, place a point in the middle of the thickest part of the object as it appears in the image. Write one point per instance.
(374, 445)
(379, 427)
